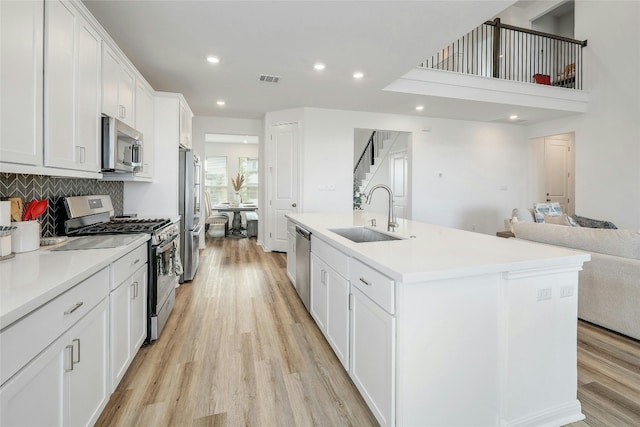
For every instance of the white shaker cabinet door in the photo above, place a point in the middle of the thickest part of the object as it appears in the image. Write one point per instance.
(34, 396)
(110, 82)
(138, 310)
(120, 302)
(72, 90)
(291, 258)
(59, 109)
(318, 291)
(21, 85)
(145, 124)
(88, 381)
(373, 356)
(337, 332)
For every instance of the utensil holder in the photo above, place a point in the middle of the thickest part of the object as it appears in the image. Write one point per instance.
(27, 237)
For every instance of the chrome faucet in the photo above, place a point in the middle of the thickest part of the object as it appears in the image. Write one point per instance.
(391, 219)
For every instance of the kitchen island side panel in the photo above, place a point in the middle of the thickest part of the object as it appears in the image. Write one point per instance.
(448, 363)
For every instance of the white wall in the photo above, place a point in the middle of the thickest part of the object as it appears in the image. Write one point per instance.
(475, 159)
(607, 136)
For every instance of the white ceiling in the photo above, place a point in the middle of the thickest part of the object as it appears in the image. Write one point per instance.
(168, 42)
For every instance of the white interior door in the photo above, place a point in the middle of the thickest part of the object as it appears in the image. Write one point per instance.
(283, 180)
(398, 176)
(558, 169)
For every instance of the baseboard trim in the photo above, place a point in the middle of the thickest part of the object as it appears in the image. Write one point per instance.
(552, 417)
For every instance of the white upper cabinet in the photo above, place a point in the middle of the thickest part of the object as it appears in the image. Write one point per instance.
(72, 90)
(145, 123)
(21, 68)
(186, 118)
(118, 85)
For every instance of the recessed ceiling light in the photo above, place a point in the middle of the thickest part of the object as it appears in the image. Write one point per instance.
(419, 107)
(220, 102)
(319, 66)
(358, 75)
(213, 59)
(513, 116)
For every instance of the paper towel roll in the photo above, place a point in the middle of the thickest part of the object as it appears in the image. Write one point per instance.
(5, 213)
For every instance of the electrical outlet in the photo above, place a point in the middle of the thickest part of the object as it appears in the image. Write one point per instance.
(566, 291)
(544, 294)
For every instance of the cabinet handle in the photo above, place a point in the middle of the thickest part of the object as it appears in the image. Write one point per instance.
(135, 290)
(76, 340)
(365, 282)
(323, 277)
(135, 262)
(74, 308)
(69, 358)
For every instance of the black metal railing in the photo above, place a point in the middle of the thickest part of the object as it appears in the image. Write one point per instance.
(513, 53)
(369, 153)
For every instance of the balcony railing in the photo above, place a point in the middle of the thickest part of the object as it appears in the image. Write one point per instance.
(513, 53)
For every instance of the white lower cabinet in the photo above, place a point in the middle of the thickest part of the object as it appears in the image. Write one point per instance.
(128, 322)
(337, 332)
(318, 290)
(373, 356)
(67, 384)
(128, 310)
(356, 317)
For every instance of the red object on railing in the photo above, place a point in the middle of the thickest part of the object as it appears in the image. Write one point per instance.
(542, 79)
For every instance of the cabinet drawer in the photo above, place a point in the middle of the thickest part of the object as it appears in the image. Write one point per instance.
(128, 264)
(377, 286)
(22, 341)
(331, 256)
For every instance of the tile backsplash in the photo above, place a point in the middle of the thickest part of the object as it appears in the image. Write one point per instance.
(53, 189)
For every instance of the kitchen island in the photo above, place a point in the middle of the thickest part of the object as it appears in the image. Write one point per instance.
(448, 327)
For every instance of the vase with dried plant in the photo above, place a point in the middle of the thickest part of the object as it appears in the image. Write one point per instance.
(237, 183)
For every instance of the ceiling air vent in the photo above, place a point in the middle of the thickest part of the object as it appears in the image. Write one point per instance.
(269, 79)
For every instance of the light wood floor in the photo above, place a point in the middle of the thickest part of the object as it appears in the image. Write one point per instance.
(240, 350)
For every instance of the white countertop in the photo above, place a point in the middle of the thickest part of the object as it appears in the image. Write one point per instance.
(31, 279)
(435, 252)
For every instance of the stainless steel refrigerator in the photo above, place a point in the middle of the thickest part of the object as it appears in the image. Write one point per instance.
(189, 194)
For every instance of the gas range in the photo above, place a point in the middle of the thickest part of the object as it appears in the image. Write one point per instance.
(94, 216)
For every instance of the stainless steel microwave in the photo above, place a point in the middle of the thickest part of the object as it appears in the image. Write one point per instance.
(121, 147)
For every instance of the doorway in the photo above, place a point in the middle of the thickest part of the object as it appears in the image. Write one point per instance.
(555, 170)
(382, 157)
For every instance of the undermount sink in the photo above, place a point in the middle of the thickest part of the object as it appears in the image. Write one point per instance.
(363, 234)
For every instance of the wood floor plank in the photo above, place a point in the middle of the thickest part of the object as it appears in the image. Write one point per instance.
(241, 350)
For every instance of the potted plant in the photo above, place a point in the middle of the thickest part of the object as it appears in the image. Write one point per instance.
(237, 183)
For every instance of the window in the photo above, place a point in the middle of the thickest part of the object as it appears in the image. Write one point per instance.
(216, 179)
(249, 168)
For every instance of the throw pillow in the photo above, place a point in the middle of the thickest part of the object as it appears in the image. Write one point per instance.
(593, 223)
(558, 220)
(523, 215)
(542, 209)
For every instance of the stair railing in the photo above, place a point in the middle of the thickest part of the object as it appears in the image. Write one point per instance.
(365, 161)
(513, 53)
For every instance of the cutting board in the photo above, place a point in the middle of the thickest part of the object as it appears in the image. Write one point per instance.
(16, 208)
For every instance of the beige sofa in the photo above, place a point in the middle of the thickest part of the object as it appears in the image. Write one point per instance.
(609, 285)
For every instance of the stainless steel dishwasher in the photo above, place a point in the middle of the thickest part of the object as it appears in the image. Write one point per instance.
(303, 251)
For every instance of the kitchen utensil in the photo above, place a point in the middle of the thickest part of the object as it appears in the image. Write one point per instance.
(16, 208)
(27, 212)
(39, 209)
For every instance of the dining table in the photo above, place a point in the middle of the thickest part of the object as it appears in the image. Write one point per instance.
(236, 224)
